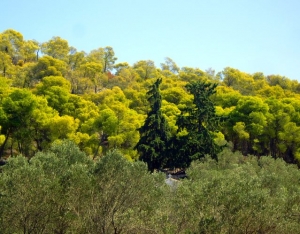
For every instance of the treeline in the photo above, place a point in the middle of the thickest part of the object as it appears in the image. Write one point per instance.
(50, 91)
(64, 191)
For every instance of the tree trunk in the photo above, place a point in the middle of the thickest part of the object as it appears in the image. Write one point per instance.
(3, 144)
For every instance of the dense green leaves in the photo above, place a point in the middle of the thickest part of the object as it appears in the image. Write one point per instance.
(64, 191)
(196, 123)
(74, 89)
(80, 123)
(154, 134)
(57, 48)
(16, 113)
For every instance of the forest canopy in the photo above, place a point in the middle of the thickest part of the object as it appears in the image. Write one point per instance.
(49, 92)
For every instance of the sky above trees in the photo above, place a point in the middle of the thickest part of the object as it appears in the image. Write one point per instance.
(249, 35)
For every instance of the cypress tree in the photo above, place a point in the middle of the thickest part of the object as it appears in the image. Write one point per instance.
(154, 134)
(199, 121)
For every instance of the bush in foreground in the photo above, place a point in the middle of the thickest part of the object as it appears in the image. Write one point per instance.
(63, 191)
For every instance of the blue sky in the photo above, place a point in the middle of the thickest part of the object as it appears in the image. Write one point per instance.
(250, 35)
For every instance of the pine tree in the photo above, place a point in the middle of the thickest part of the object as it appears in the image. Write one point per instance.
(154, 134)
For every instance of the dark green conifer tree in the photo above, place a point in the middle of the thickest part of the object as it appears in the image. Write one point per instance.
(199, 121)
(154, 134)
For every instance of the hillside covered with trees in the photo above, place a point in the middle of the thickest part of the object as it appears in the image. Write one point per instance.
(76, 125)
(50, 91)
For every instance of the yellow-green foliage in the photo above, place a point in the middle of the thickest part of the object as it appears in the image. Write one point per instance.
(87, 96)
